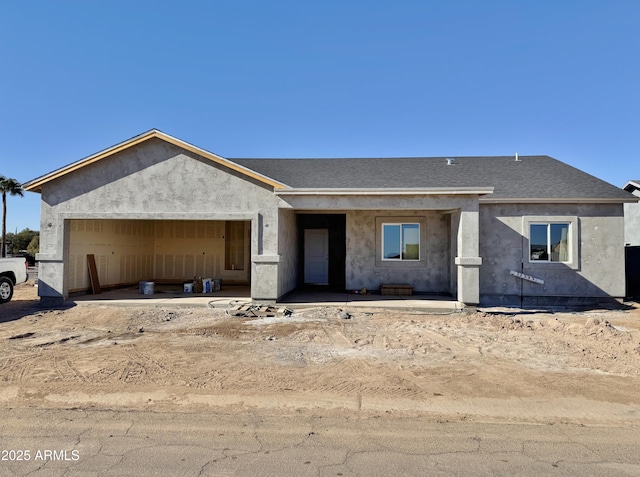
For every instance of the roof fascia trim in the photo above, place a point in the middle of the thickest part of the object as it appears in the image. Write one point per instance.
(35, 185)
(561, 200)
(387, 191)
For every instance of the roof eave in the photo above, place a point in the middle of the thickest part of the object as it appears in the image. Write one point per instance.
(386, 191)
(557, 200)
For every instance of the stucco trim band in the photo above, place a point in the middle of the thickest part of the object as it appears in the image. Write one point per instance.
(48, 257)
(468, 261)
(265, 259)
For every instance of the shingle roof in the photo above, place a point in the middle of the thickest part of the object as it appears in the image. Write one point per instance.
(531, 177)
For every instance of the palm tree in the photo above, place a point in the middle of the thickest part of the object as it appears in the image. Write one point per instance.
(11, 187)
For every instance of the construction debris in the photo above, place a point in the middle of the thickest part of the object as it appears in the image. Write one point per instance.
(257, 311)
(344, 315)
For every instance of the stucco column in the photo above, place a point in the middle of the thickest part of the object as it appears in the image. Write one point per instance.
(54, 233)
(467, 260)
(265, 261)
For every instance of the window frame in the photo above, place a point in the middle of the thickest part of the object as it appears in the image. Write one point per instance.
(400, 259)
(549, 244)
(573, 238)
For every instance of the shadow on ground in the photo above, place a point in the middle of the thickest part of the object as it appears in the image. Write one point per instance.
(18, 309)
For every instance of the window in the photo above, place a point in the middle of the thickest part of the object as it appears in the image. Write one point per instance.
(401, 242)
(549, 242)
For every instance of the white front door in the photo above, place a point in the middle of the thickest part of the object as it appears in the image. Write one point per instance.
(316, 256)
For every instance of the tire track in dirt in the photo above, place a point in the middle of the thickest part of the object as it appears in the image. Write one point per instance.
(14, 368)
(338, 338)
(354, 376)
(449, 344)
(362, 376)
(385, 382)
(157, 371)
(133, 373)
(76, 371)
(66, 370)
(106, 375)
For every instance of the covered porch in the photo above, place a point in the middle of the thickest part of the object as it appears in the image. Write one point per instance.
(347, 241)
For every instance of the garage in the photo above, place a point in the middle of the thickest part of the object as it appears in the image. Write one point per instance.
(157, 209)
(163, 251)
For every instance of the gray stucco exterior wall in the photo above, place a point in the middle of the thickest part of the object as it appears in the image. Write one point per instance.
(364, 267)
(596, 270)
(467, 248)
(632, 222)
(157, 180)
(288, 251)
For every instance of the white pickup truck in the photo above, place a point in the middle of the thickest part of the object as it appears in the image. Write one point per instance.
(12, 272)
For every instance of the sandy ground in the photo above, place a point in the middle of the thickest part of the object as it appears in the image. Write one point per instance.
(503, 365)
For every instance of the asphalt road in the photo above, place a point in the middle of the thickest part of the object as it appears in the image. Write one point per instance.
(107, 443)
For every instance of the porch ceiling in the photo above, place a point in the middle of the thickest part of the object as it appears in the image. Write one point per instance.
(443, 199)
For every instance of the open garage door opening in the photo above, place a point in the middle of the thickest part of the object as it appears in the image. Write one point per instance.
(169, 252)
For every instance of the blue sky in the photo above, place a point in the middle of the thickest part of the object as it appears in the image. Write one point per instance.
(320, 79)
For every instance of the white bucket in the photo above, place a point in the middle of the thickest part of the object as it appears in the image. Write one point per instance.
(206, 285)
(146, 288)
(188, 287)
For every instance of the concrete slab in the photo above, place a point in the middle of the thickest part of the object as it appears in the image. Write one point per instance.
(168, 295)
(436, 304)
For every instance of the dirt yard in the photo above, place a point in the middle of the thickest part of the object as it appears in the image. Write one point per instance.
(499, 366)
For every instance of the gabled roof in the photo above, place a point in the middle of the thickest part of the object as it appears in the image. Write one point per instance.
(529, 178)
(505, 178)
(35, 185)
